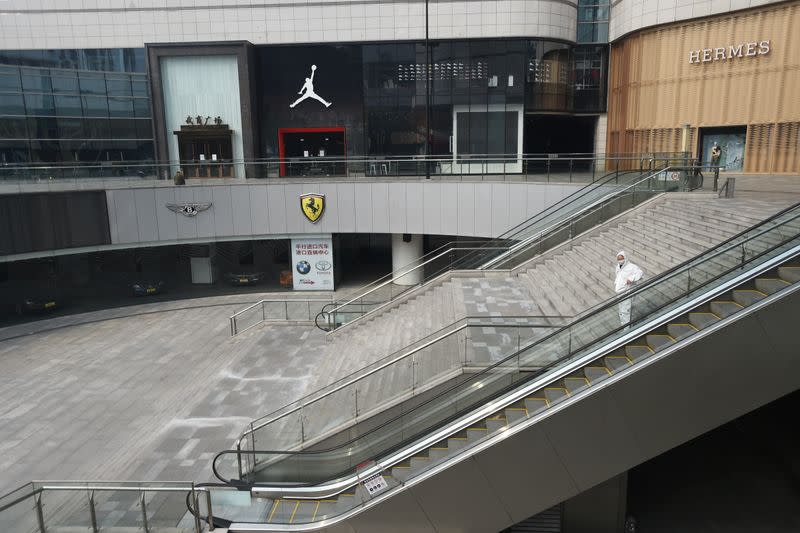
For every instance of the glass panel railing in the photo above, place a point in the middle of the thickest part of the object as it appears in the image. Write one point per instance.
(578, 212)
(286, 310)
(691, 282)
(394, 384)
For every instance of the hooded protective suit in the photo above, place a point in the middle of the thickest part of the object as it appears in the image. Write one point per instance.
(627, 275)
(626, 272)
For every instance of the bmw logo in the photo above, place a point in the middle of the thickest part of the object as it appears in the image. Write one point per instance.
(303, 267)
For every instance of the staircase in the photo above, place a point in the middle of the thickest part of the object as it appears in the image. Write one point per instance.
(563, 282)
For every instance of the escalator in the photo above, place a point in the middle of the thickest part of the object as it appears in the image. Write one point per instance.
(707, 341)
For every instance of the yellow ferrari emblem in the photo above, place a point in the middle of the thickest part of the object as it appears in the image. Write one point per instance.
(312, 205)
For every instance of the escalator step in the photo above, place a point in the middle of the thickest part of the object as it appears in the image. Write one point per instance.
(747, 297)
(659, 341)
(515, 414)
(595, 373)
(637, 351)
(681, 331)
(617, 362)
(772, 285)
(703, 319)
(536, 405)
(574, 384)
(789, 273)
(554, 394)
(725, 308)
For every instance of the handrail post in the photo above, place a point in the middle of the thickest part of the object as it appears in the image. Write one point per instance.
(196, 503)
(210, 511)
(145, 526)
(93, 513)
(286, 309)
(239, 457)
(39, 512)
(571, 161)
(263, 311)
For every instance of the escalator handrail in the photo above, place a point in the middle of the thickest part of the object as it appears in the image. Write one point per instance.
(612, 302)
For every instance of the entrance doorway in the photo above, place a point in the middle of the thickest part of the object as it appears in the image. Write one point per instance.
(312, 151)
(731, 141)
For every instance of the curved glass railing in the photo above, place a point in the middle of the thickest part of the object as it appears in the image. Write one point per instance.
(334, 466)
(576, 213)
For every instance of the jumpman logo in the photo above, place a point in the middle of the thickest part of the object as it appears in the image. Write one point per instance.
(307, 91)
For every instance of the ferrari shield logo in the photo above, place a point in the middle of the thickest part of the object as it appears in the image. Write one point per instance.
(312, 205)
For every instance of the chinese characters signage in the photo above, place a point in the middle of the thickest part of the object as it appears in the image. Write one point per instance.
(312, 264)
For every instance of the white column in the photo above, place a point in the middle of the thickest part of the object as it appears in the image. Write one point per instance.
(600, 139)
(404, 256)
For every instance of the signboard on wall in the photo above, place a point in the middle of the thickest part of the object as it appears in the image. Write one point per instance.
(312, 264)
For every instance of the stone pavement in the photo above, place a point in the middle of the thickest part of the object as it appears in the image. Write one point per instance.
(147, 397)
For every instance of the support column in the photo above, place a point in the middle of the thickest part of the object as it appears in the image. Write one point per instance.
(600, 141)
(406, 251)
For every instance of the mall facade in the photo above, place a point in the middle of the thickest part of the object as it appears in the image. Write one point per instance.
(282, 92)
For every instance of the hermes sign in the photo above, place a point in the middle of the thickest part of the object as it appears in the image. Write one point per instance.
(706, 55)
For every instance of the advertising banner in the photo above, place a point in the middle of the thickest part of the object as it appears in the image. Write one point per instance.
(312, 264)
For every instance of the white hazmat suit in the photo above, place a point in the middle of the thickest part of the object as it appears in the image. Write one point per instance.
(627, 276)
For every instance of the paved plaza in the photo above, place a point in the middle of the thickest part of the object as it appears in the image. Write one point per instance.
(144, 397)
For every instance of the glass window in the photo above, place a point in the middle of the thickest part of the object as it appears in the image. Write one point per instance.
(42, 128)
(141, 107)
(36, 83)
(139, 88)
(92, 84)
(68, 106)
(119, 87)
(45, 151)
(95, 106)
(39, 104)
(12, 104)
(65, 85)
(13, 151)
(9, 82)
(13, 128)
(71, 128)
(123, 128)
(120, 107)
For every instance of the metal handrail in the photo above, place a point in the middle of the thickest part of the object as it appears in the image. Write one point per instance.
(509, 249)
(457, 425)
(351, 380)
(285, 301)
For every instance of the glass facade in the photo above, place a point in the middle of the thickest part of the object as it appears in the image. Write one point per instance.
(74, 106)
(593, 21)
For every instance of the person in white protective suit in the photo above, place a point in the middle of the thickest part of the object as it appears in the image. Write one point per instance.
(627, 276)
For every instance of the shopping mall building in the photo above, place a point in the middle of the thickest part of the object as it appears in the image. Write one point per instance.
(266, 102)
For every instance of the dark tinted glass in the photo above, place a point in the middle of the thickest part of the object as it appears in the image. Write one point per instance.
(123, 128)
(97, 128)
(69, 106)
(13, 151)
(12, 104)
(42, 128)
(39, 104)
(65, 85)
(45, 151)
(120, 107)
(95, 106)
(71, 128)
(13, 128)
(144, 129)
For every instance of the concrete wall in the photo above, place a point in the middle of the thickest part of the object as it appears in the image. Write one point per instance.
(245, 210)
(632, 15)
(125, 23)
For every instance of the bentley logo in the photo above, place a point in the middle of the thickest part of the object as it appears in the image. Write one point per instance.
(312, 205)
(189, 209)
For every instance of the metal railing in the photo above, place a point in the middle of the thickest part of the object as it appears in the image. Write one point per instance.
(561, 168)
(387, 384)
(323, 472)
(42, 506)
(285, 310)
(577, 213)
